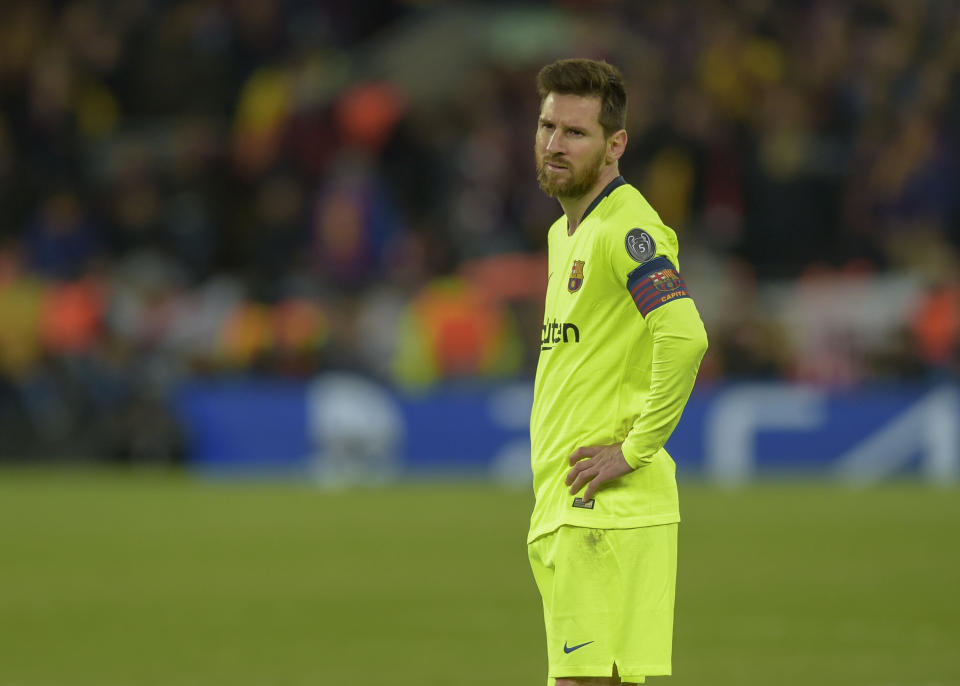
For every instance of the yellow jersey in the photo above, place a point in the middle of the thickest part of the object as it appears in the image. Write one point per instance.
(621, 345)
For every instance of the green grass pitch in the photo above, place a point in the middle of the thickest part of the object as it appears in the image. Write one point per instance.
(137, 580)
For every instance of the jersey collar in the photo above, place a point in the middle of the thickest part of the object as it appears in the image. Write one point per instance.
(607, 190)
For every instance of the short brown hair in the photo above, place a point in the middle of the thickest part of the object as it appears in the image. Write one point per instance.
(588, 78)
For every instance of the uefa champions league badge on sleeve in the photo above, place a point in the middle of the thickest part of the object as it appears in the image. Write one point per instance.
(640, 245)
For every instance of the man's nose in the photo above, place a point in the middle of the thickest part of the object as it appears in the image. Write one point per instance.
(554, 142)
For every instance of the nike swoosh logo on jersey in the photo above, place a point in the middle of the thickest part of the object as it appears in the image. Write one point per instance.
(572, 648)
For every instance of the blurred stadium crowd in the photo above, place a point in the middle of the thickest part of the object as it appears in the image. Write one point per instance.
(221, 188)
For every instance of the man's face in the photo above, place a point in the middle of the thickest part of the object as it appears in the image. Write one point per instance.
(570, 148)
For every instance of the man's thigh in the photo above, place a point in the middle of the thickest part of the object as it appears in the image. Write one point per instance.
(608, 600)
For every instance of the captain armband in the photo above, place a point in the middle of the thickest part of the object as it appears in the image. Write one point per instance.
(655, 283)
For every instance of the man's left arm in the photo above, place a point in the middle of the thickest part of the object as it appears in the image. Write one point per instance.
(679, 343)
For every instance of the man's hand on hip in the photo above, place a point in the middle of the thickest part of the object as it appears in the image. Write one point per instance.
(596, 464)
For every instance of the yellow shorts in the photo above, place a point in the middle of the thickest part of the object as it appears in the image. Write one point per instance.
(607, 599)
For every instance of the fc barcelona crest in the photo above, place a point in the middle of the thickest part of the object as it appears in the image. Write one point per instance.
(665, 280)
(576, 277)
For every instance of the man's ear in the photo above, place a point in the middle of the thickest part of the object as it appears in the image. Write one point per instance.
(616, 144)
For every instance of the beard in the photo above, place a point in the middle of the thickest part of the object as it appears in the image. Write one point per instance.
(574, 184)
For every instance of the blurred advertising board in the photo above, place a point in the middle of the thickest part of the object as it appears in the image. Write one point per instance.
(344, 430)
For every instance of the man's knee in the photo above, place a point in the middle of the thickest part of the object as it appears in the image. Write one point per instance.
(594, 680)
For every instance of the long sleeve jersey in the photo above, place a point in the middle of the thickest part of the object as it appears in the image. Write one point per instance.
(621, 345)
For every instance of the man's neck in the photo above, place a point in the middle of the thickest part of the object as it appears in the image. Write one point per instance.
(574, 208)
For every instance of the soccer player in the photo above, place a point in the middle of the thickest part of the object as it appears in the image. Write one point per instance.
(620, 348)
